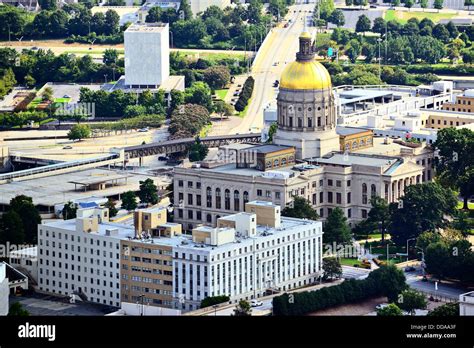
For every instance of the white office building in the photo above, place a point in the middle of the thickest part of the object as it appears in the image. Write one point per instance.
(466, 303)
(78, 257)
(4, 289)
(147, 54)
(247, 255)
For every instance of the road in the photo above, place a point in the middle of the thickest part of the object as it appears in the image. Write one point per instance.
(279, 47)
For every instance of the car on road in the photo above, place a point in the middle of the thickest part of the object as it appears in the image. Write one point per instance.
(143, 130)
(67, 147)
(381, 306)
(34, 48)
(373, 6)
(163, 158)
(286, 25)
(256, 303)
(409, 269)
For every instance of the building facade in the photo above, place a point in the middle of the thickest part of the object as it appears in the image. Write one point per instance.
(4, 289)
(146, 55)
(462, 103)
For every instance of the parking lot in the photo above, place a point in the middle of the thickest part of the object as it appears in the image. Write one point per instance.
(45, 305)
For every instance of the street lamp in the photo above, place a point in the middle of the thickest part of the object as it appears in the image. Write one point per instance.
(171, 35)
(379, 40)
(407, 245)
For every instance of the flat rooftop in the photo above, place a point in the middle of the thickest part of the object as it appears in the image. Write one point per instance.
(350, 130)
(126, 232)
(57, 189)
(357, 95)
(146, 27)
(355, 159)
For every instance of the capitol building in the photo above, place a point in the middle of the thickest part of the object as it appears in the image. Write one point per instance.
(309, 157)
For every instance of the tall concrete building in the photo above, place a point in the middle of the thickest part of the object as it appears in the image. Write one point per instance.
(147, 54)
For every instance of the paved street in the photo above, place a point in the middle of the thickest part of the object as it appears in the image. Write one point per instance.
(280, 47)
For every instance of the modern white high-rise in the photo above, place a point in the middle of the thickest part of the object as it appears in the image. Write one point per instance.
(147, 52)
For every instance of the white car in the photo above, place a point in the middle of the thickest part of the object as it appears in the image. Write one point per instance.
(381, 306)
(256, 303)
(143, 130)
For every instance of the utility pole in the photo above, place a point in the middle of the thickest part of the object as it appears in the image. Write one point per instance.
(380, 68)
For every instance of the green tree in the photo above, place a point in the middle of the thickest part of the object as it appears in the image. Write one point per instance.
(379, 25)
(69, 211)
(379, 214)
(390, 280)
(336, 229)
(110, 56)
(214, 300)
(409, 300)
(17, 310)
(47, 94)
(11, 228)
(198, 151)
(424, 4)
(337, 18)
(354, 50)
(395, 3)
(199, 93)
(243, 309)
(455, 163)
(185, 11)
(326, 8)
(446, 310)
(332, 268)
(79, 132)
(29, 215)
(426, 238)
(409, 4)
(187, 120)
(223, 109)
(424, 207)
(217, 76)
(148, 192)
(438, 4)
(48, 5)
(272, 131)
(111, 206)
(154, 15)
(129, 201)
(392, 310)
(301, 208)
(363, 24)
(349, 2)
(112, 22)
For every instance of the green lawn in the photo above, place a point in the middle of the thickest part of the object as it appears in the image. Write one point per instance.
(34, 103)
(221, 93)
(350, 262)
(62, 100)
(469, 205)
(404, 16)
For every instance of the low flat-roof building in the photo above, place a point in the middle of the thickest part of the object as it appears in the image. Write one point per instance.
(466, 303)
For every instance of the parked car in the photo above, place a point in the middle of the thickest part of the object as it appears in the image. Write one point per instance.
(163, 158)
(67, 147)
(256, 303)
(409, 269)
(373, 6)
(142, 130)
(381, 306)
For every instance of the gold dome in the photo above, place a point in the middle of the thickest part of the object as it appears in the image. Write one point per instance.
(305, 75)
(305, 35)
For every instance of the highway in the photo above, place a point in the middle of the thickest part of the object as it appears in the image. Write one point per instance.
(279, 47)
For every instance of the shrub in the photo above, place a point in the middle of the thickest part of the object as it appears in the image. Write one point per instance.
(245, 95)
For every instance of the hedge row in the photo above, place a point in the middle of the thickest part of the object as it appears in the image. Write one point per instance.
(245, 95)
(462, 70)
(385, 281)
(210, 301)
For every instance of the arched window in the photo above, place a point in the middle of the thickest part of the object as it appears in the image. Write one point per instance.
(246, 197)
(269, 164)
(291, 159)
(362, 142)
(373, 191)
(209, 197)
(348, 146)
(276, 163)
(218, 198)
(283, 161)
(354, 145)
(227, 200)
(236, 200)
(364, 193)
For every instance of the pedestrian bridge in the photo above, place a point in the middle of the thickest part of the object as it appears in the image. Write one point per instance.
(179, 145)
